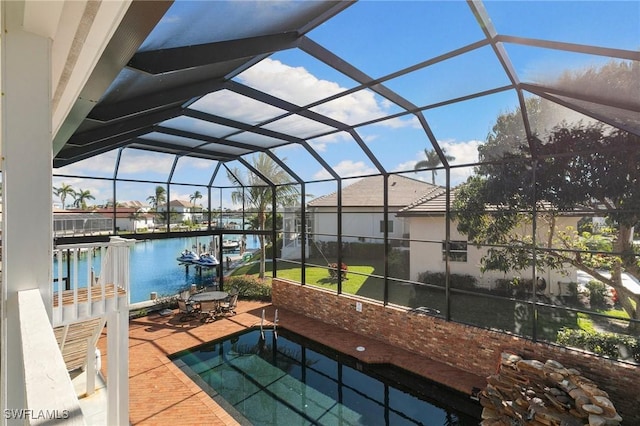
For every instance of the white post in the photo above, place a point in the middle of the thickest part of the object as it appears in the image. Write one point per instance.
(91, 367)
(117, 367)
(26, 149)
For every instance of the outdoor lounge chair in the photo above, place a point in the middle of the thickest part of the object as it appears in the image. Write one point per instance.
(208, 310)
(186, 310)
(228, 306)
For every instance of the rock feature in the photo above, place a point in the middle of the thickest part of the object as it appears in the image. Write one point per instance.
(530, 392)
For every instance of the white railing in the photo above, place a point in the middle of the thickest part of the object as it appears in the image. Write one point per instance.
(91, 278)
(50, 396)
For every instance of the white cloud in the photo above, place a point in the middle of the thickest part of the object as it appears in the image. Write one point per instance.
(137, 161)
(99, 165)
(347, 168)
(303, 88)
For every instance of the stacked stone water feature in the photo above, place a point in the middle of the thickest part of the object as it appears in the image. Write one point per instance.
(529, 392)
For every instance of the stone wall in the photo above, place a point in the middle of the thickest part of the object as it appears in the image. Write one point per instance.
(530, 392)
(468, 348)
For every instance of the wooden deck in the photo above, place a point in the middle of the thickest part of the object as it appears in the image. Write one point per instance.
(83, 295)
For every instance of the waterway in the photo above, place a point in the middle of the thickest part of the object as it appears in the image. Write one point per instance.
(154, 268)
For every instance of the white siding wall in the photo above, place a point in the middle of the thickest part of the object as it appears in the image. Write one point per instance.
(426, 255)
(356, 222)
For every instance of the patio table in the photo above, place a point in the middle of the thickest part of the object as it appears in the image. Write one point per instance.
(209, 296)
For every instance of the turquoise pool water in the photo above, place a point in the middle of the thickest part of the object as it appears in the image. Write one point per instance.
(292, 380)
(154, 267)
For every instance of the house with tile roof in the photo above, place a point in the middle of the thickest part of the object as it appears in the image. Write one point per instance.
(426, 220)
(100, 220)
(363, 209)
(185, 211)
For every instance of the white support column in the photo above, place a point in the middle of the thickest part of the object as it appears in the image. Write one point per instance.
(26, 148)
(117, 367)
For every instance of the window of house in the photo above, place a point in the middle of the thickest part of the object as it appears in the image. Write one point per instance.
(389, 224)
(457, 251)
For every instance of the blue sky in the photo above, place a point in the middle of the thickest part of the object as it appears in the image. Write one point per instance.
(379, 37)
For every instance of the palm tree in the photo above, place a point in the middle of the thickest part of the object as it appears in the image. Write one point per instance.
(258, 195)
(134, 217)
(160, 197)
(63, 191)
(80, 198)
(195, 197)
(432, 161)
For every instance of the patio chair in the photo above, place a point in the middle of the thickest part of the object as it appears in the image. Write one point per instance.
(186, 310)
(228, 306)
(208, 310)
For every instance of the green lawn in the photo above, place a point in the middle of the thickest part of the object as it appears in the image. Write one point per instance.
(318, 276)
(474, 309)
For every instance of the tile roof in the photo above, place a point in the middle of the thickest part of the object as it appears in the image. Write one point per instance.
(180, 203)
(433, 202)
(368, 192)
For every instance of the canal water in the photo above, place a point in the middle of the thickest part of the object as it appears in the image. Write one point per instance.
(154, 267)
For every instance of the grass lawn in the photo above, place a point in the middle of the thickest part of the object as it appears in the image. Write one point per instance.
(317, 276)
(479, 310)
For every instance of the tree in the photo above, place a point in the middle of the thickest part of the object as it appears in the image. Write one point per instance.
(62, 192)
(159, 198)
(134, 217)
(197, 195)
(431, 162)
(588, 167)
(258, 194)
(80, 198)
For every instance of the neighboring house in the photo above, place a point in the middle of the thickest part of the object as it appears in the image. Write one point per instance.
(129, 219)
(70, 222)
(426, 220)
(292, 234)
(77, 221)
(363, 209)
(184, 210)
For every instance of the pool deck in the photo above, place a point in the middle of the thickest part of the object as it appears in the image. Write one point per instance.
(159, 393)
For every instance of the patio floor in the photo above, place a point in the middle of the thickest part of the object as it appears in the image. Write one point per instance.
(159, 393)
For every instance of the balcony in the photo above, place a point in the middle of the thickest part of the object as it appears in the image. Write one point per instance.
(81, 304)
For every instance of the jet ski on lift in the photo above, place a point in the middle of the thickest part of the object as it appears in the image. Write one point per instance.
(188, 257)
(206, 260)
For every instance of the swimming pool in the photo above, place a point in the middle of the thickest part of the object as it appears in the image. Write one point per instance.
(291, 380)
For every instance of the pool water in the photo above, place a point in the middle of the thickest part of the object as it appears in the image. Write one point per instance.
(154, 268)
(291, 380)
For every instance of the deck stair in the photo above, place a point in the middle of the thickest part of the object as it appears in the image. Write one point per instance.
(90, 289)
(77, 341)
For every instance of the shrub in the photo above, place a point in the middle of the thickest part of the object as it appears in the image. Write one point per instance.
(399, 264)
(459, 281)
(607, 344)
(268, 249)
(597, 293)
(249, 286)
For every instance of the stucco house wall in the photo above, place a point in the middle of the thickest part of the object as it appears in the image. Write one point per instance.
(428, 233)
(359, 224)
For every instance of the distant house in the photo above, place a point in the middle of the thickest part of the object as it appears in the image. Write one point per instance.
(128, 219)
(426, 221)
(74, 222)
(363, 209)
(184, 210)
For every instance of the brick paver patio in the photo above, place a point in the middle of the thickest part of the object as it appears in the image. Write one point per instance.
(160, 394)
